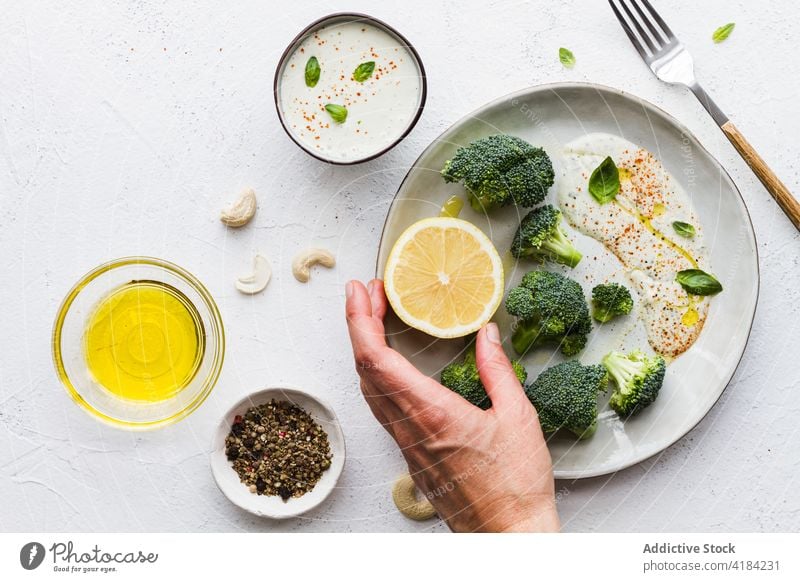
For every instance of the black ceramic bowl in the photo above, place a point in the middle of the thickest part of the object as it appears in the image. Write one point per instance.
(327, 21)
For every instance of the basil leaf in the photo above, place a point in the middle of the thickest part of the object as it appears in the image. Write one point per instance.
(698, 282)
(364, 71)
(337, 112)
(604, 181)
(723, 32)
(566, 57)
(312, 72)
(684, 229)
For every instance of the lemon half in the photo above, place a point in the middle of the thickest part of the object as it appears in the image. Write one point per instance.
(444, 277)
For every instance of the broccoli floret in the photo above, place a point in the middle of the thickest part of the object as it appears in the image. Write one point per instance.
(565, 396)
(540, 236)
(550, 308)
(463, 379)
(610, 300)
(499, 170)
(638, 379)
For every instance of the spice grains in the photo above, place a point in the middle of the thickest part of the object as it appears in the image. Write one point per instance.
(278, 449)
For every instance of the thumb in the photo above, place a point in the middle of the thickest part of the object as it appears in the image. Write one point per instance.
(495, 370)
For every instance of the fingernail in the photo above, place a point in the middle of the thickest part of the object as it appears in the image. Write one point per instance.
(370, 285)
(348, 289)
(493, 333)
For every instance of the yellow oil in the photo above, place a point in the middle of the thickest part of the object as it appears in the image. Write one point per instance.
(452, 207)
(690, 318)
(144, 341)
(624, 174)
(691, 315)
(648, 224)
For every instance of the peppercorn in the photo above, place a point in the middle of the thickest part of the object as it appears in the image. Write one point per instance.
(278, 449)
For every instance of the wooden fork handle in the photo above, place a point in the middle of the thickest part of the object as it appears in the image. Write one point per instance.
(774, 186)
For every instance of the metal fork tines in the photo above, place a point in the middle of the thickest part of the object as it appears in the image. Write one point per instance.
(661, 49)
(672, 63)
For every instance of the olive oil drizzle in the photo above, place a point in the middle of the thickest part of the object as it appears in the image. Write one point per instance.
(452, 207)
(690, 316)
(648, 224)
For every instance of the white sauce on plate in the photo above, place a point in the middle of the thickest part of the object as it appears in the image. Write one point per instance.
(379, 110)
(637, 228)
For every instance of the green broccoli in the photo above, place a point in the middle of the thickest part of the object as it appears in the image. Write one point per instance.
(638, 379)
(540, 236)
(463, 379)
(565, 396)
(550, 308)
(610, 300)
(499, 170)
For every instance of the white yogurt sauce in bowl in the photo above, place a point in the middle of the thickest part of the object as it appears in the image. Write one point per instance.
(380, 110)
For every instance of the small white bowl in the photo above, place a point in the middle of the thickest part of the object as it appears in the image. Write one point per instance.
(273, 506)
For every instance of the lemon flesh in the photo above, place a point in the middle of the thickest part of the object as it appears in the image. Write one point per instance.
(444, 277)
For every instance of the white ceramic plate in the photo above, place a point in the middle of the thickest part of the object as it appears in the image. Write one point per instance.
(271, 505)
(550, 116)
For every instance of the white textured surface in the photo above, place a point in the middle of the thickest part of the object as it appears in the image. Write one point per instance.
(125, 129)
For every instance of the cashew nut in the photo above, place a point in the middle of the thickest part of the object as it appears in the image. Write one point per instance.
(304, 260)
(242, 210)
(258, 279)
(404, 494)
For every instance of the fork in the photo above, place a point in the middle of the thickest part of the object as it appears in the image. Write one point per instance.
(671, 62)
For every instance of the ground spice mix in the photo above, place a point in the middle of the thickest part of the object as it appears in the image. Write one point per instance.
(278, 449)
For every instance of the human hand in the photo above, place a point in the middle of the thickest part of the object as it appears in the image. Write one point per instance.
(483, 470)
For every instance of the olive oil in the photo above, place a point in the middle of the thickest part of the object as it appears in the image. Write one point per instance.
(452, 207)
(648, 224)
(691, 316)
(144, 341)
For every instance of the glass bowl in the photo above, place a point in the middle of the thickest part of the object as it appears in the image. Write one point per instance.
(70, 360)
